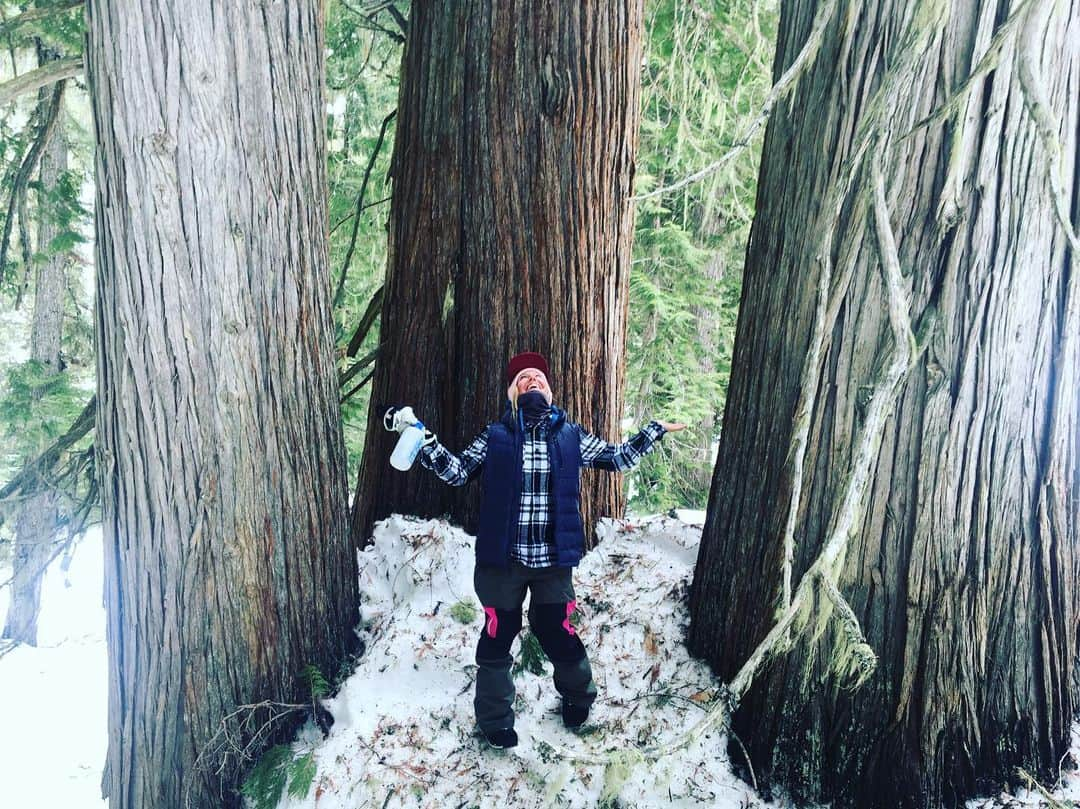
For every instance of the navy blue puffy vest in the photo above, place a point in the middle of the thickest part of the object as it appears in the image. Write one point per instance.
(501, 498)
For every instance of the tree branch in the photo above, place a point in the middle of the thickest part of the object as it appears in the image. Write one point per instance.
(374, 307)
(25, 481)
(48, 112)
(858, 661)
(369, 15)
(53, 72)
(1034, 93)
(360, 385)
(360, 207)
(399, 18)
(23, 217)
(367, 205)
(357, 367)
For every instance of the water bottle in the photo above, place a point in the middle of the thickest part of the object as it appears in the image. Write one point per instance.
(412, 437)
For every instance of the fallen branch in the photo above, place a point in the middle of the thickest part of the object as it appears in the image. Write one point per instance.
(47, 74)
(1033, 784)
(240, 738)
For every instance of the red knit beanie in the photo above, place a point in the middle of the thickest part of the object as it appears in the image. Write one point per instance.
(529, 359)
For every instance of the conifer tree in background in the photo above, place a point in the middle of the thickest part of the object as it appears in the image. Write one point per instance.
(38, 520)
(898, 471)
(510, 230)
(704, 80)
(364, 44)
(228, 565)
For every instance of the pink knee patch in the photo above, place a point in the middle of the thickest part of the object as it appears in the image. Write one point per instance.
(570, 607)
(492, 621)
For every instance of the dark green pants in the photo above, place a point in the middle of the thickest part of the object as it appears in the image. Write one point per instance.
(502, 593)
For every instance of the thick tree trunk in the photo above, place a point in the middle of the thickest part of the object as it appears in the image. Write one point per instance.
(510, 230)
(220, 453)
(699, 461)
(35, 527)
(962, 568)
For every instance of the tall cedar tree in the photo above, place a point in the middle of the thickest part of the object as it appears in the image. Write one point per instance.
(222, 464)
(510, 230)
(961, 567)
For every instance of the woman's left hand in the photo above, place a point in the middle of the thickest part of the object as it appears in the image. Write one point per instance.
(671, 427)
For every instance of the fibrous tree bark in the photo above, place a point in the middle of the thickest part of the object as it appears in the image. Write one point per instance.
(36, 525)
(961, 568)
(509, 230)
(220, 453)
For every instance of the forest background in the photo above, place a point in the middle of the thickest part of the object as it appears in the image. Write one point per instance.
(706, 74)
(934, 114)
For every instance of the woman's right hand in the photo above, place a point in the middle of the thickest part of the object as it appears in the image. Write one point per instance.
(396, 419)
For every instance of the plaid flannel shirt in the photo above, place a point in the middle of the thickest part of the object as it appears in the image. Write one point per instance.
(533, 545)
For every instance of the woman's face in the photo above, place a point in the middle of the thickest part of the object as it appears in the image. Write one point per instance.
(532, 379)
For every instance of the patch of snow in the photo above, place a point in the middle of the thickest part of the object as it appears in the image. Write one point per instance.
(404, 728)
(404, 731)
(54, 698)
(1066, 792)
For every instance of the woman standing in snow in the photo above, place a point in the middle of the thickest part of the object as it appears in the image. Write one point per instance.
(530, 534)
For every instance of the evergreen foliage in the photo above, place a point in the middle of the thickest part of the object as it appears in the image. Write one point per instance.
(706, 71)
(363, 60)
(36, 407)
(314, 682)
(531, 656)
(705, 74)
(464, 612)
(279, 770)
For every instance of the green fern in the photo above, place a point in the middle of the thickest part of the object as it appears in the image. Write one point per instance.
(301, 774)
(277, 771)
(315, 683)
(268, 778)
(464, 612)
(532, 656)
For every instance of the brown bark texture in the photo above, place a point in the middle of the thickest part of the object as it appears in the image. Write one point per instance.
(510, 231)
(220, 452)
(36, 526)
(963, 568)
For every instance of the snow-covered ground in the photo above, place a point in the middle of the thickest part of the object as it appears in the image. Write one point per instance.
(53, 698)
(403, 734)
(404, 730)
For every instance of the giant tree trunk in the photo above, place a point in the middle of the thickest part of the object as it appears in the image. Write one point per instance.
(36, 525)
(222, 463)
(509, 230)
(962, 566)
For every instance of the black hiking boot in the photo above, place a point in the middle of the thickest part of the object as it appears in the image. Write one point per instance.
(574, 716)
(501, 738)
